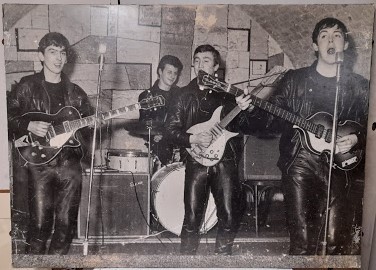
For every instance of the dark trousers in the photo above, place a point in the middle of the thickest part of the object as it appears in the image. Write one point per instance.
(54, 192)
(222, 180)
(305, 190)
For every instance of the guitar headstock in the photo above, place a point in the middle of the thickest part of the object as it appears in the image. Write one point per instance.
(270, 79)
(152, 102)
(209, 81)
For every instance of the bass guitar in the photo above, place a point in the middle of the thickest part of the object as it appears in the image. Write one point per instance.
(211, 155)
(315, 131)
(64, 124)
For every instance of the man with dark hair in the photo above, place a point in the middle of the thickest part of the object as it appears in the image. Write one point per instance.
(195, 105)
(169, 69)
(54, 186)
(306, 92)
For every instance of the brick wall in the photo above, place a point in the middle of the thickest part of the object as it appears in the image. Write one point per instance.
(250, 38)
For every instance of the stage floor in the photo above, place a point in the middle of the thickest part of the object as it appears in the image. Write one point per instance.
(160, 249)
(271, 238)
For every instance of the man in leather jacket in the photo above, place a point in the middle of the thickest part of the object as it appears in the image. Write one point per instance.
(169, 69)
(192, 106)
(305, 92)
(54, 187)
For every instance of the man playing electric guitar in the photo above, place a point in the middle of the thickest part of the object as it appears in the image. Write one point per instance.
(195, 105)
(54, 188)
(305, 92)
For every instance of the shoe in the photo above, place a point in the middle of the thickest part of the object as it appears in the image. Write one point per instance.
(223, 250)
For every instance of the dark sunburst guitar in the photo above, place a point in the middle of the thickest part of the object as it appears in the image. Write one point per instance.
(64, 124)
(315, 131)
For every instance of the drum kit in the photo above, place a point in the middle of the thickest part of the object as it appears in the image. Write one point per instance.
(167, 183)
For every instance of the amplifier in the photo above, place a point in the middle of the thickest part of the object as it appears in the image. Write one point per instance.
(120, 205)
(259, 161)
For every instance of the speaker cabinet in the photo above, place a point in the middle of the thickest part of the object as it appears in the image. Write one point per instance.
(260, 158)
(119, 208)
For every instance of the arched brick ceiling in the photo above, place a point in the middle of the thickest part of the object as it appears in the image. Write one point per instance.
(292, 25)
(13, 13)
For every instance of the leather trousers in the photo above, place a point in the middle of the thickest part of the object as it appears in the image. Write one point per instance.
(222, 180)
(54, 196)
(305, 190)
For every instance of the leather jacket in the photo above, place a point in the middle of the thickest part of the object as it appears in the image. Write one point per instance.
(158, 113)
(295, 93)
(184, 113)
(30, 95)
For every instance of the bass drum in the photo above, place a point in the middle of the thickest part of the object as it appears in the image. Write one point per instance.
(168, 200)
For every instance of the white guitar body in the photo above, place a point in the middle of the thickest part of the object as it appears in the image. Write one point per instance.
(213, 153)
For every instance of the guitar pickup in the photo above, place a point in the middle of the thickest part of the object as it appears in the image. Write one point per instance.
(319, 131)
(349, 161)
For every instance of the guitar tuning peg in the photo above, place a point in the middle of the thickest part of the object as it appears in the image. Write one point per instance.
(210, 91)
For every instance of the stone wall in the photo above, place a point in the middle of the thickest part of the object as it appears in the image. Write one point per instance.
(251, 40)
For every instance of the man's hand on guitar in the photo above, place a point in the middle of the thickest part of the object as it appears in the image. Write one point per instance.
(157, 138)
(203, 138)
(100, 121)
(345, 143)
(39, 128)
(244, 101)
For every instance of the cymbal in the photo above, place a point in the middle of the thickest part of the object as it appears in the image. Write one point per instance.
(142, 127)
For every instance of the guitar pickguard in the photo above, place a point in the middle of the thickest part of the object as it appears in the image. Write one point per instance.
(212, 154)
(61, 140)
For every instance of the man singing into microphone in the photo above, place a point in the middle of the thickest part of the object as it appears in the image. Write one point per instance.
(54, 188)
(304, 92)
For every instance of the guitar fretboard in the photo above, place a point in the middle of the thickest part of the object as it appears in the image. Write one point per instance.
(269, 107)
(74, 125)
(229, 117)
(89, 120)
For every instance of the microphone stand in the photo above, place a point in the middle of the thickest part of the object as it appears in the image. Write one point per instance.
(339, 59)
(86, 240)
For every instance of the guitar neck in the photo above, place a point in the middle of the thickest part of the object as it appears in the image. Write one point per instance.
(229, 117)
(90, 120)
(270, 108)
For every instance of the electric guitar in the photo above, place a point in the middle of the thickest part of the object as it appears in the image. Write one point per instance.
(64, 124)
(211, 155)
(315, 131)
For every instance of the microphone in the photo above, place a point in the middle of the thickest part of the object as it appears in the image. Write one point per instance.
(339, 57)
(339, 60)
(102, 50)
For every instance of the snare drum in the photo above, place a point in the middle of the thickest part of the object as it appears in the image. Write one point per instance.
(128, 160)
(168, 199)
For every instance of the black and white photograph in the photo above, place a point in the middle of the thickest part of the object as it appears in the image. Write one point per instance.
(188, 135)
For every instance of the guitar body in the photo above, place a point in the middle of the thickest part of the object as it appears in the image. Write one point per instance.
(41, 150)
(346, 161)
(214, 152)
(315, 132)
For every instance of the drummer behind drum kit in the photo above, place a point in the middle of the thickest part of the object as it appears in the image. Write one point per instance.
(167, 184)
